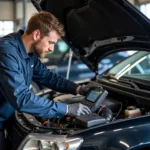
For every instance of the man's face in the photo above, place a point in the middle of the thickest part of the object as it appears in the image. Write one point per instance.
(45, 44)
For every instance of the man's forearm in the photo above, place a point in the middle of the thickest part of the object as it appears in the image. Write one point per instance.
(78, 89)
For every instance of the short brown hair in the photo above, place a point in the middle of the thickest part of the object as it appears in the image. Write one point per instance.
(45, 22)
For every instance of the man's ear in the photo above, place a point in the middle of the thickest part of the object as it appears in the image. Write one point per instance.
(36, 35)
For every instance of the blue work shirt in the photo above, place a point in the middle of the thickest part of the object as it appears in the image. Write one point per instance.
(17, 69)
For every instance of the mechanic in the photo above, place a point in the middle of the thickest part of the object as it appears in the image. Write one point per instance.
(19, 64)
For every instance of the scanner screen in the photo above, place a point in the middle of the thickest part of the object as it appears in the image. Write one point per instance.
(93, 95)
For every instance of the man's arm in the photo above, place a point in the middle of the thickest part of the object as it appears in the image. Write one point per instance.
(78, 89)
(51, 80)
(15, 91)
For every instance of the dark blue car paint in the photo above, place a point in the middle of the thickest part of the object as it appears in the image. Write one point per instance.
(120, 135)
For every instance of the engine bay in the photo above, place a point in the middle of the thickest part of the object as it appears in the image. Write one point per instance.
(115, 106)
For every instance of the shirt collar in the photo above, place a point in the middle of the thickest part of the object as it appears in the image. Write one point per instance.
(21, 44)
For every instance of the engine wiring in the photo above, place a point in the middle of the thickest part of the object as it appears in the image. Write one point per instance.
(121, 106)
(106, 113)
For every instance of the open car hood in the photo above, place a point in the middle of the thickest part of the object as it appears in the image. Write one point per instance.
(95, 28)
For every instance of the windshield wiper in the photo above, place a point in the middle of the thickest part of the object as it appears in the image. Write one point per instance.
(136, 84)
(112, 78)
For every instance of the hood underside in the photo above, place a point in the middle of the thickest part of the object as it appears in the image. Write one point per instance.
(92, 25)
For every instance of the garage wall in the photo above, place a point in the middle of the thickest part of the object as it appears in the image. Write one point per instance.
(6, 11)
(132, 1)
(142, 1)
(30, 10)
(139, 1)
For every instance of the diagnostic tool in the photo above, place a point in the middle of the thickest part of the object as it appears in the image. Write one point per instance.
(94, 98)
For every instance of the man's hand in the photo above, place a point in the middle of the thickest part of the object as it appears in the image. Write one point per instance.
(84, 89)
(77, 109)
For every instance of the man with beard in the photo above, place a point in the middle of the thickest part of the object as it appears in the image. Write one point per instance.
(19, 64)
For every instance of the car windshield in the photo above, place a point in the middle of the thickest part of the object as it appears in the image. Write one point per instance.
(136, 66)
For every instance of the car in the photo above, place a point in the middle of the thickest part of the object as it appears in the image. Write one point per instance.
(120, 104)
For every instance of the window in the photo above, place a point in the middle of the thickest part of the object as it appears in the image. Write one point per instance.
(142, 67)
(136, 66)
(6, 27)
(111, 60)
(145, 9)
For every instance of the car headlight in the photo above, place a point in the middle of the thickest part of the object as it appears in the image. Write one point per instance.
(37, 141)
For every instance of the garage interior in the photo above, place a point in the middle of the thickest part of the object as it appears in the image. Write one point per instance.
(13, 17)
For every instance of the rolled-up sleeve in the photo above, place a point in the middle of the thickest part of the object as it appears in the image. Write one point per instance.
(15, 91)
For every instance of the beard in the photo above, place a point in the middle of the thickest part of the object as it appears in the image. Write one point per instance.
(36, 49)
(40, 55)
